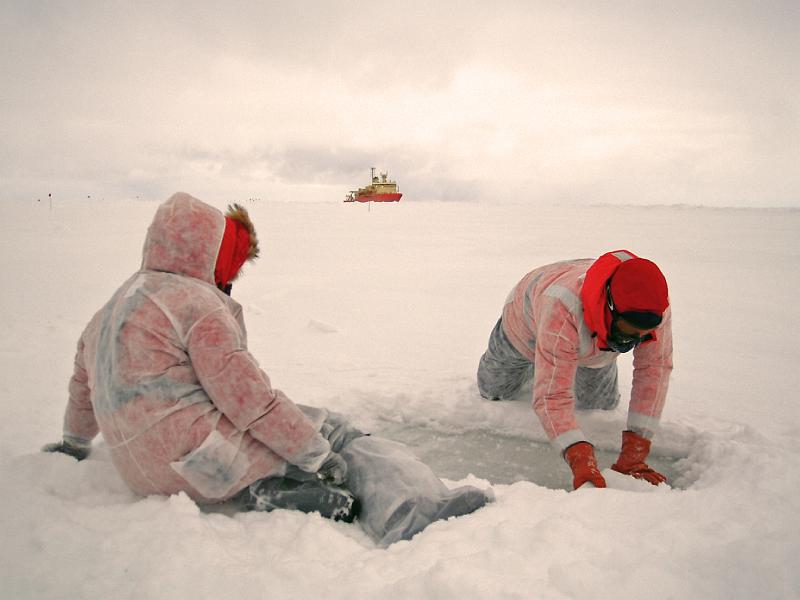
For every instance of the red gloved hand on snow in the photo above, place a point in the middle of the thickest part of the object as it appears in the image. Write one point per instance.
(580, 458)
(631, 459)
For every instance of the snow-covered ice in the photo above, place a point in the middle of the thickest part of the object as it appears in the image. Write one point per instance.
(382, 313)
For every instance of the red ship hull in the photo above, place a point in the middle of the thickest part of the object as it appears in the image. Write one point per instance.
(379, 198)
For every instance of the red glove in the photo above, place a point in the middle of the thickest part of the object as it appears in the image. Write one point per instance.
(631, 459)
(580, 458)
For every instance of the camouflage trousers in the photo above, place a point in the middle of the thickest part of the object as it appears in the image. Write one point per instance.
(503, 371)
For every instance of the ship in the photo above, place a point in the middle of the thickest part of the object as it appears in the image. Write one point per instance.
(382, 189)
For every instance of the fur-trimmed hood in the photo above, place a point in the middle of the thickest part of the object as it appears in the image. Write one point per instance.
(238, 213)
(186, 234)
(239, 245)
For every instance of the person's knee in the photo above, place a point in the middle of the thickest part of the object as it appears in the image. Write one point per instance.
(503, 382)
(495, 386)
(608, 401)
(339, 431)
(597, 389)
(597, 401)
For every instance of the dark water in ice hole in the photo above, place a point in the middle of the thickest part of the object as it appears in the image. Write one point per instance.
(499, 458)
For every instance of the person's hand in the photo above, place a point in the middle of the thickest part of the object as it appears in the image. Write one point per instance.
(334, 469)
(76, 451)
(580, 458)
(631, 459)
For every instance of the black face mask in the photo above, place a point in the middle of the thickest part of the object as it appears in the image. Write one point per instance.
(617, 340)
(622, 342)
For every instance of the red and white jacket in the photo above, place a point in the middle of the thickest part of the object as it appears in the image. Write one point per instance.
(163, 372)
(558, 319)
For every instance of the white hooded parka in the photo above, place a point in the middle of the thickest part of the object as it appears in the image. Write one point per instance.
(163, 372)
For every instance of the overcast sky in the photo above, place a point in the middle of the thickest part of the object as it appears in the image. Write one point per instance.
(581, 102)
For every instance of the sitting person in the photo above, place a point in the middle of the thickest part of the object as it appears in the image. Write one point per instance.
(163, 372)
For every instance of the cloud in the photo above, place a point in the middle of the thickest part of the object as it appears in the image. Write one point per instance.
(622, 101)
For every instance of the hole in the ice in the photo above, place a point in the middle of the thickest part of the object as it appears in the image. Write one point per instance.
(499, 458)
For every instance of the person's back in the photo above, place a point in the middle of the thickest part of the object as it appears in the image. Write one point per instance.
(151, 356)
(542, 301)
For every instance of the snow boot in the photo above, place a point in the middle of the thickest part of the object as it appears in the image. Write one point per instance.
(414, 515)
(311, 495)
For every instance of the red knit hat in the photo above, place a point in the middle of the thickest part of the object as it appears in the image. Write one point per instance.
(639, 286)
(239, 243)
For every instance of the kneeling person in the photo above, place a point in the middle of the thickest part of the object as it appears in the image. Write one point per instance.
(564, 325)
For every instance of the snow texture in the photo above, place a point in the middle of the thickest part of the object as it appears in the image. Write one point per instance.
(382, 315)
